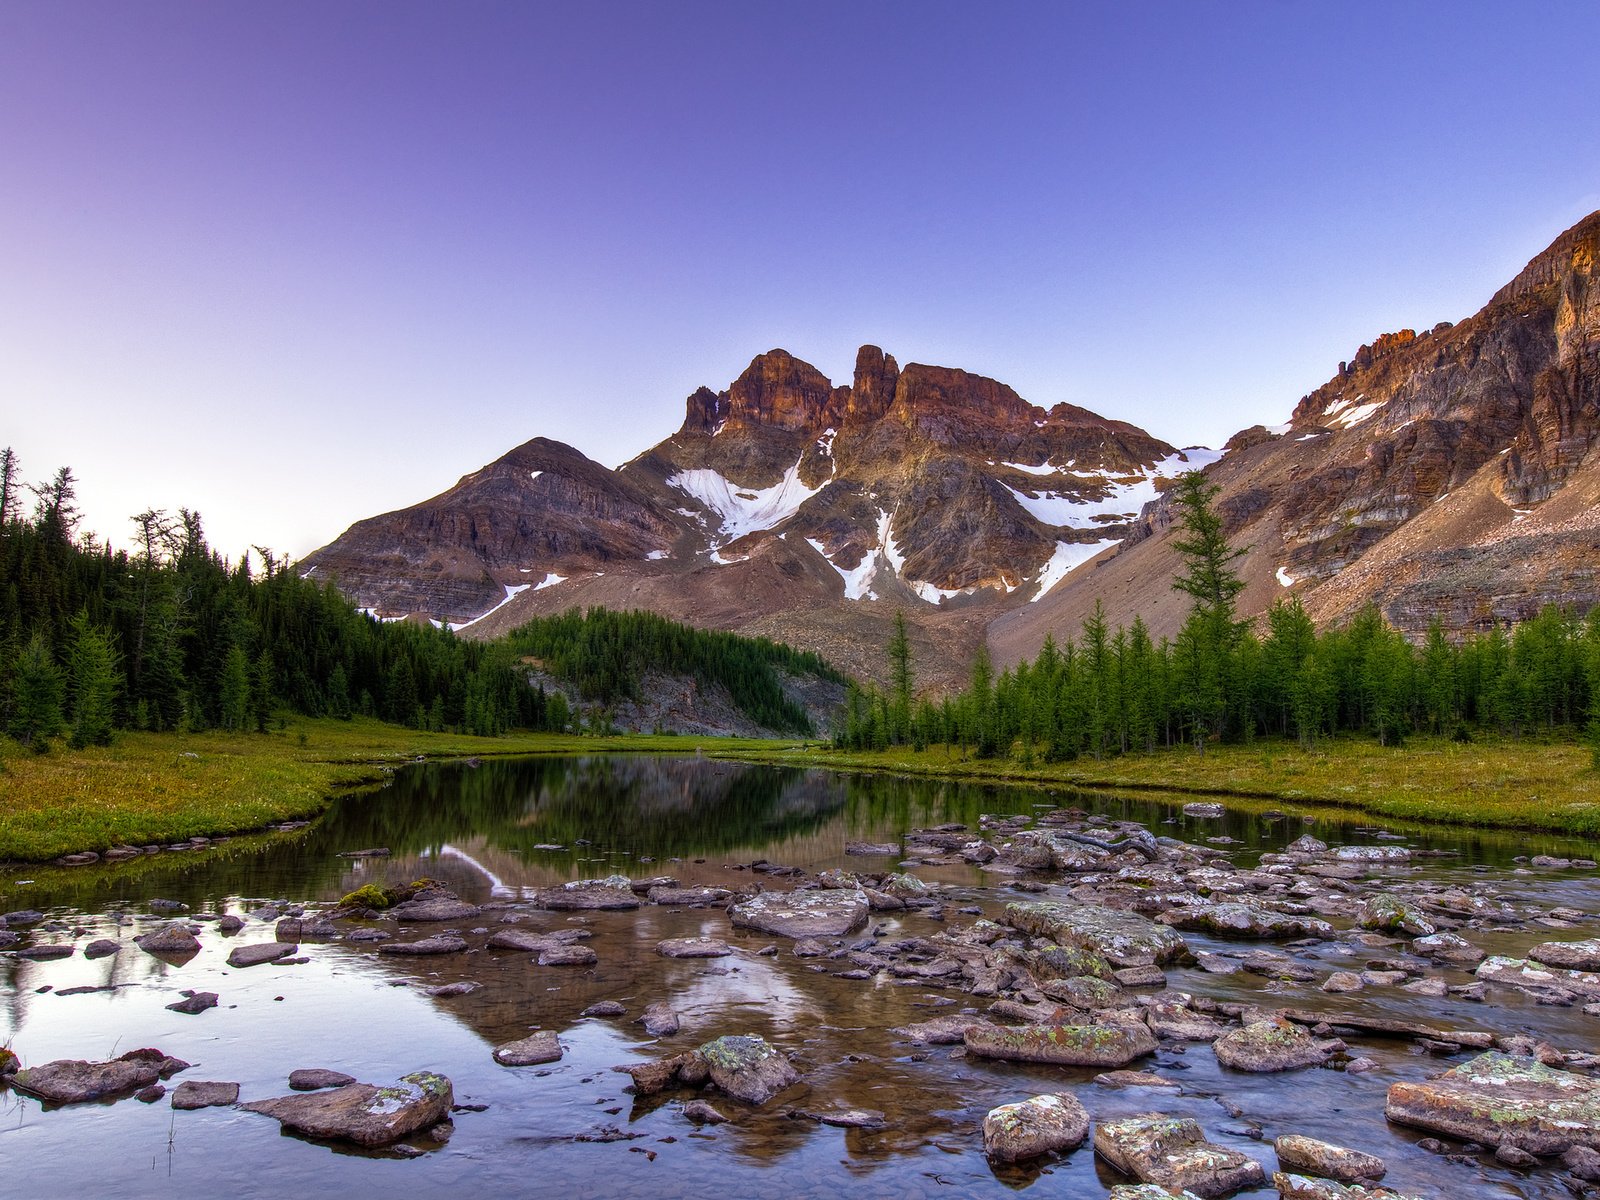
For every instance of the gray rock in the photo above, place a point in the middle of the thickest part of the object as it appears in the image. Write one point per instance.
(172, 941)
(439, 943)
(1391, 914)
(1531, 976)
(1128, 1079)
(693, 897)
(1264, 1046)
(260, 952)
(605, 1008)
(101, 948)
(21, 917)
(439, 908)
(869, 849)
(1379, 855)
(305, 929)
(1313, 1157)
(542, 1046)
(1569, 956)
(1040, 1125)
(814, 914)
(659, 1020)
(1124, 939)
(695, 947)
(362, 1112)
(941, 1031)
(47, 953)
(747, 1067)
(194, 1003)
(1498, 1100)
(1448, 948)
(311, 1079)
(615, 893)
(1173, 1152)
(75, 1081)
(701, 1113)
(193, 1093)
(1293, 1186)
(1067, 1045)
(568, 956)
(1245, 920)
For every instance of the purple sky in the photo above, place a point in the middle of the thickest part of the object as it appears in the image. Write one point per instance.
(293, 264)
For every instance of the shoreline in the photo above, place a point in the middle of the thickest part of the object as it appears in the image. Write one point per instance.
(163, 789)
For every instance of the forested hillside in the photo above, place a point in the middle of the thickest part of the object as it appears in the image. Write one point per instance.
(169, 635)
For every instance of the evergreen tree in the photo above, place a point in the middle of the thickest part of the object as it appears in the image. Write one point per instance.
(1207, 640)
(37, 693)
(234, 698)
(93, 676)
(900, 681)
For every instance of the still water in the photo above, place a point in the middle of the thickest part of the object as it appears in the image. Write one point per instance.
(493, 831)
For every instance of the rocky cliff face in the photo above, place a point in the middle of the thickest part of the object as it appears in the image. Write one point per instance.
(1448, 473)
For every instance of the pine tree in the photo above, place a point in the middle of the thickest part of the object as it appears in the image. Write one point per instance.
(1207, 639)
(900, 681)
(93, 675)
(37, 693)
(234, 698)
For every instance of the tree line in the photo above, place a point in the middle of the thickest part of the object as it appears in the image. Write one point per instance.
(1115, 691)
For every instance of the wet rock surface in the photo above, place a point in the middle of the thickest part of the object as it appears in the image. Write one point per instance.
(1173, 1152)
(1040, 1125)
(364, 1113)
(1496, 1099)
(818, 914)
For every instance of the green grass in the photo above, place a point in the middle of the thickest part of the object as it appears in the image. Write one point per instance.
(150, 788)
(161, 788)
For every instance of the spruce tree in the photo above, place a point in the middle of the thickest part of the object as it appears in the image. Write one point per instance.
(900, 681)
(93, 675)
(36, 697)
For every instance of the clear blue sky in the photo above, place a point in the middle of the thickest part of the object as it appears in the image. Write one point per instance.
(296, 263)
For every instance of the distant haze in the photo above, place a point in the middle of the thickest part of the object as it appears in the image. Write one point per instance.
(296, 264)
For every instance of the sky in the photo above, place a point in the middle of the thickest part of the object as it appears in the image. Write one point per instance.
(295, 264)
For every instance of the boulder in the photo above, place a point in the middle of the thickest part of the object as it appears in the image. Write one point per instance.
(1066, 1045)
(1299, 1153)
(1496, 1100)
(540, 1047)
(261, 952)
(1123, 939)
(75, 1081)
(659, 1020)
(193, 1093)
(613, 893)
(1304, 1187)
(1451, 949)
(1040, 1125)
(694, 947)
(172, 941)
(1391, 914)
(1173, 1152)
(747, 1067)
(1569, 956)
(691, 897)
(1275, 1045)
(364, 1113)
(813, 914)
(1531, 976)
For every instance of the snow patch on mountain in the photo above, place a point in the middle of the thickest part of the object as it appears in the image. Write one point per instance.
(1123, 497)
(513, 590)
(744, 510)
(1067, 557)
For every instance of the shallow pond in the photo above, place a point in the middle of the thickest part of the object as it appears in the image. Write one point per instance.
(493, 832)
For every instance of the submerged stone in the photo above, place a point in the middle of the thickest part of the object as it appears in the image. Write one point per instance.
(540, 1047)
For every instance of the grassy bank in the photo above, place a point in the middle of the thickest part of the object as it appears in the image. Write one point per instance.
(161, 788)
(152, 788)
(1528, 784)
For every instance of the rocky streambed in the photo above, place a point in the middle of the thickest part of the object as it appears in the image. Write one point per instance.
(1044, 998)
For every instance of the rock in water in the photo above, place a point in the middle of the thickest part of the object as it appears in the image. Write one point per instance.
(659, 1020)
(194, 1093)
(1570, 956)
(1499, 1100)
(1276, 1045)
(1303, 1187)
(748, 1068)
(441, 943)
(540, 1047)
(261, 952)
(1029, 1128)
(1124, 939)
(693, 947)
(818, 914)
(1388, 912)
(363, 1112)
(438, 908)
(1066, 1045)
(172, 941)
(1173, 1152)
(1324, 1159)
(74, 1081)
(310, 1079)
(194, 1003)
(614, 892)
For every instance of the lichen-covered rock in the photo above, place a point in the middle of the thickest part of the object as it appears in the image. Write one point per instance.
(542, 1046)
(1066, 1045)
(1085, 992)
(815, 914)
(1292, 1186)
(1391, 914)
(1313, 1157)
(1275, 1045)
(1172, 1152)
(1449, 948)
(1040, 1125)
(613, 893)
(363, 1112)
(1498, 1100)
(1123, 939)
(747, 1067)
(1068, 962)
(1569, 956)
(1233, 919)
(1519, 972)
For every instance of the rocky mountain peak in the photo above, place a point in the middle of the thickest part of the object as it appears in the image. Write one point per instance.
(876, 377)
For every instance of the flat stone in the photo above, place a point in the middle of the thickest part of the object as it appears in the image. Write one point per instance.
(604, 1008)
(435, 909)
(1569, 956)
(1310, 1156)
(1449, 948)
(1379, 855)
(1148, 1191)
(870, 849)
(18, 918)
(692, 897)
(525, 940)
(1048, 1124)
(1173, 1152)
(1292, 1186)
(853, 1118)
(75, 1081)
(194, 1093)
(194, 1004)
(48, 953)
(695, 947)
(1343, 981)
(941, 1031)
(445, 991)
(362, 1112)
(1264, 1046)
(1531, 976)
(1498, 1100)
(1240, 920)
(542, 1046)
(311, 1079)
(1124, 939)
(172, 940)
(305, 929)
(813, 914)
(747, 1067)
(568, 956)
(614, 893)
(439, 943)
(261, 952)
(1127, 1079)
(1066, 1045)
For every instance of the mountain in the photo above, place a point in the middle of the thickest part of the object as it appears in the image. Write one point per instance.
(784, 506)
(1448, 473)
(1444, 473)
